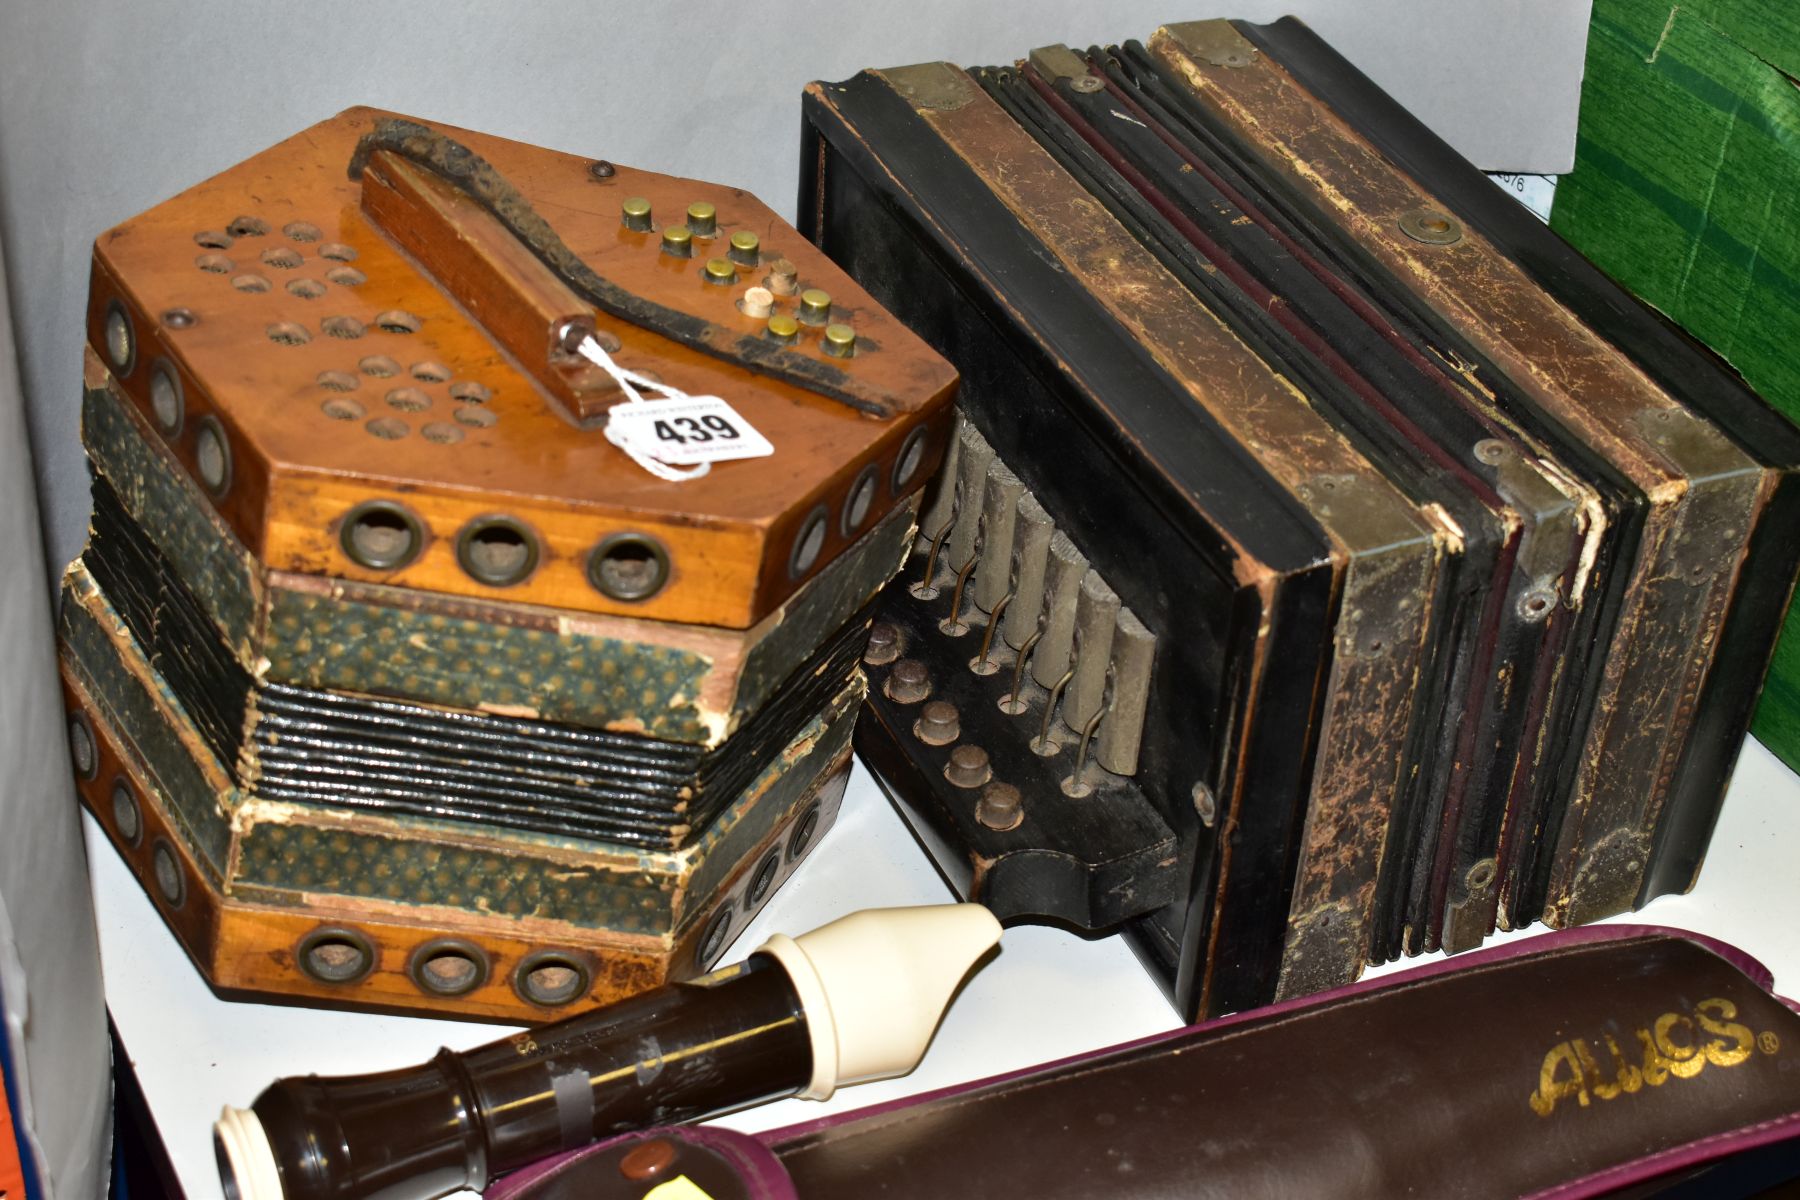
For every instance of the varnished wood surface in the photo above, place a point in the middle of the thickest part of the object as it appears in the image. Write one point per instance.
(296, 468)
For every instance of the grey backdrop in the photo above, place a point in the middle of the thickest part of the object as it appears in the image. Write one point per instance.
(106, 108)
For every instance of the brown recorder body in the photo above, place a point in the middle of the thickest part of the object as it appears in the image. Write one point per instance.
(397, 682)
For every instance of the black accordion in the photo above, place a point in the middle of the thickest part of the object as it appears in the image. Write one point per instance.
(1331, 564)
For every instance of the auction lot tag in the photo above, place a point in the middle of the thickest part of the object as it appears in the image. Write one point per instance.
(684, 431)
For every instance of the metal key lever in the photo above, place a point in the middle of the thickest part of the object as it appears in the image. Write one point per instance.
(1075, 785)
(981, 664)
(1087, 862)
(1011, 704)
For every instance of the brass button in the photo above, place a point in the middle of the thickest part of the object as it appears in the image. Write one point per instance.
(783, 329)
(635, 212)
(840, 341)
(678, 240)
(702, 218)
(815, 306)
(744, 247)
(721, 271)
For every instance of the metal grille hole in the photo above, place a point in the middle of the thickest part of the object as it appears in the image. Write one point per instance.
(342, 327)
(408, 399)
(212, 456)
(715, 939)
(214, 264)
(629, 566)
(549, 979)
(336, 955)
(808, 544)
(301, 231)
(282, 257)
(167, 870)
(126, 817)
(381, 535)
(121, 339)
(166, 403)
(859, 501)
(448, 968)
(247, 227)
(804, 829)
(497, 551)
(286, 333)
(764, 879)
(379, 366)
(398, 321)
(306, 289)
(82, 747)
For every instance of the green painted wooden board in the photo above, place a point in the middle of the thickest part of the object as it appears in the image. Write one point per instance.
(1685, 190)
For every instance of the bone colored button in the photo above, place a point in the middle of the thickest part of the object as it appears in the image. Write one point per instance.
(758, 302)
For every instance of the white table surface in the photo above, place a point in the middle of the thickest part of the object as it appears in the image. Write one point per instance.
(1047, 994)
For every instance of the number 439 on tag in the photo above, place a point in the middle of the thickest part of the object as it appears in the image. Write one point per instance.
(694, 429)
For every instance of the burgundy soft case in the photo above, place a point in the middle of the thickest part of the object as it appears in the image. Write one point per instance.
(1617, 1060)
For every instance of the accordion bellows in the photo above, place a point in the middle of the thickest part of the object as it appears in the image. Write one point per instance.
(396, 682)
(1331, 564)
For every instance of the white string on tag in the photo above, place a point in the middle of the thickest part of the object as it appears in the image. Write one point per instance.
(629, 382)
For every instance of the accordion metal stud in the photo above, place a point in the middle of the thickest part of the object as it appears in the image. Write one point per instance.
(1331, 564)
(396, 681)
